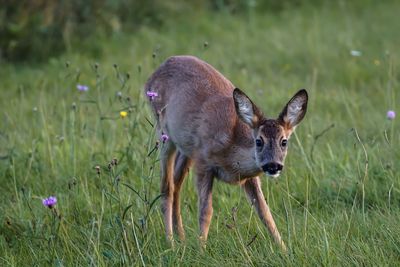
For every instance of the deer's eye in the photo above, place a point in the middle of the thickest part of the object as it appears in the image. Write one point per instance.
(259, 142)
(284, 143)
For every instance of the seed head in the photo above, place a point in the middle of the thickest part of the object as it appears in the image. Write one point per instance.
(97, 168)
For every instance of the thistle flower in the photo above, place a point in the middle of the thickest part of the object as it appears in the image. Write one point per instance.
(82, 88)
(151, 94)
(164, 138)
(391, 115)
(123, 114)
(49, 202)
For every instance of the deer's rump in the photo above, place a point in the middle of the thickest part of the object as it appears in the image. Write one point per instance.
(194, 104)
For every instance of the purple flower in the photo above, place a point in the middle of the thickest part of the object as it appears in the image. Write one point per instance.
(391, 114)
(151, 94)
(49, 202)
(164, 138)
(82, 88)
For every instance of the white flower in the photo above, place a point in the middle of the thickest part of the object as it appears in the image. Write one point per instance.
(355, 53)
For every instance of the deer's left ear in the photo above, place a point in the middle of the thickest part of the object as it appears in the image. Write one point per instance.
(295, 110)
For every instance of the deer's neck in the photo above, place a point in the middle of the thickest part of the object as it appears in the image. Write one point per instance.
(241, 160)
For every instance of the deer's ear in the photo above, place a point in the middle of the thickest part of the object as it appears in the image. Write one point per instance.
(295, 110)
(245, 108)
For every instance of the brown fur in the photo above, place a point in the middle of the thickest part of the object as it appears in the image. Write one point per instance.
(214, 126)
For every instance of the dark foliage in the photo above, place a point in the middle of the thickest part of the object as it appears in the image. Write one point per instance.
(34, 30)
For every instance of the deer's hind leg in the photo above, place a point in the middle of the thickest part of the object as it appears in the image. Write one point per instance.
(168, 152)
(182, 165)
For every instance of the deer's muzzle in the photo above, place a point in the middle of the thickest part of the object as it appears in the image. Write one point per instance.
(272, 168)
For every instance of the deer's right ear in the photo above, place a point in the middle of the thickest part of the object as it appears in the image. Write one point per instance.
(294, 110)
(245, 108)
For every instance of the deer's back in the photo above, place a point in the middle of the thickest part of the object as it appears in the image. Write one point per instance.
(194, 105)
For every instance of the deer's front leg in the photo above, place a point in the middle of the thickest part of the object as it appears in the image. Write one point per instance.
(204, 189)
(253, 190)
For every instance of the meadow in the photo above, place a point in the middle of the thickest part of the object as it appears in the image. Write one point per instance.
(336, 203)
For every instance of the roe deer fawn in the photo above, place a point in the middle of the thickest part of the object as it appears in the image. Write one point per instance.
(219, 129)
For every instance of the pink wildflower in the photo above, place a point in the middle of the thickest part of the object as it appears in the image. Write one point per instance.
(82, 88)
(151, 94)
(391, 115)
(164, 138)
(49, 202)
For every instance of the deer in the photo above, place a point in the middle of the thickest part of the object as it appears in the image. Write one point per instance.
(217, 129)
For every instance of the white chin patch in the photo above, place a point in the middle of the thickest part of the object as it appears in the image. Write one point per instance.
(276, 175)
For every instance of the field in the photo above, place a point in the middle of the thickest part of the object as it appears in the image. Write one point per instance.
(336, 203)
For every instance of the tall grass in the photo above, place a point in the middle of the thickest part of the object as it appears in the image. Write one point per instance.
(337, 202)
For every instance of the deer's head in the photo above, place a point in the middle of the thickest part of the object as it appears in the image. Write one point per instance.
(271, 136)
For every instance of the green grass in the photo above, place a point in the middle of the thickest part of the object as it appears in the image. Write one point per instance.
(337, 203)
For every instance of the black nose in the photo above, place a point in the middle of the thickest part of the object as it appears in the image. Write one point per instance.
(272, 167)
